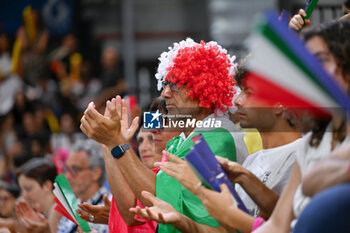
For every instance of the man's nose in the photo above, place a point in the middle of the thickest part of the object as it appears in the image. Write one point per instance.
(166, 92)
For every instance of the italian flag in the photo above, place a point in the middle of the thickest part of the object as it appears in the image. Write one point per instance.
(281, 70)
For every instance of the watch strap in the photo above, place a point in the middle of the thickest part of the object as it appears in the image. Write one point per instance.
(119, 150)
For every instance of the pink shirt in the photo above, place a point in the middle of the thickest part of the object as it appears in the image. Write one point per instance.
(116, 223)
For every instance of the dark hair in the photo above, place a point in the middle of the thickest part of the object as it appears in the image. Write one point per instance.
(336, 35)
(242, 70)
(158, 104)
(39, 169)
(11, 188)
(21, 158)
(240, 74)
(347, 3)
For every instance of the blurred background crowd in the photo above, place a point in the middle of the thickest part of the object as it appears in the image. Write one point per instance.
(58, 55)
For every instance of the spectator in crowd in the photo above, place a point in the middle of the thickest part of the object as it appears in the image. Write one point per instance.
(182, 97)
(329, 43)
(280, 140)
(5, 59)
(69, 133)
(34, 133)
(36, 178)
(146, 148)
(33, 123)
(85, 172)
(328, 172)
(66, 63)
(8, 195)
(10, 84)
(38, 145)
(90, 87)
(328, 181)
(34, 39)
(111, 77)
(8, 138)
(61, 143)
(121, 220)
(261, 177)
(109, 60)
(299, 23)
(31, 101)
(163, 135)
(59, 57)
(21, 105)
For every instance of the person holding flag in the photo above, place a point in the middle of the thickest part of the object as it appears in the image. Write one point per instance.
(329, 43)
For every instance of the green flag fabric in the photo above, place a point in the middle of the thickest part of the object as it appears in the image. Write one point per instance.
(170, 190)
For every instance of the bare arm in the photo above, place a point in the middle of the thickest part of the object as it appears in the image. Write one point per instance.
(220, 206)
(283, 213)
(264, 197)
(137, 175)
(121, 191)
(328, 172)
(109, 130)
(325, 174)
(187, 225)
(164, 213)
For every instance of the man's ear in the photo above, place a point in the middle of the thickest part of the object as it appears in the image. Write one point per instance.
(279, 109)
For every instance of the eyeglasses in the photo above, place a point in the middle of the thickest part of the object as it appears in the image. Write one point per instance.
(74, 170)
(172, 86)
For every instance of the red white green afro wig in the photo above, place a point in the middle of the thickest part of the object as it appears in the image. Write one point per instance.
(205, 68)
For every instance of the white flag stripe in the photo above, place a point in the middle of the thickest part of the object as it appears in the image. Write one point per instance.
(274, 65)
(60, 196)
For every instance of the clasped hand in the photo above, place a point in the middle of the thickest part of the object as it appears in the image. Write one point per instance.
(112, 128)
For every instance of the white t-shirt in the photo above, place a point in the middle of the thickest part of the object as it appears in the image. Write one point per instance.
(307, 156)
(271, 166)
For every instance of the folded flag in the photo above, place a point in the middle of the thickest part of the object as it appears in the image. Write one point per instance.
(62, 210)
(204, 164)
(283, 71)
(67, 202)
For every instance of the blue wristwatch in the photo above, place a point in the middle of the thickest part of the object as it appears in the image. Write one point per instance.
(119, 150)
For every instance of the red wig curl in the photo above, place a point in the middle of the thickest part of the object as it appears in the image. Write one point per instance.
(205, 70)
